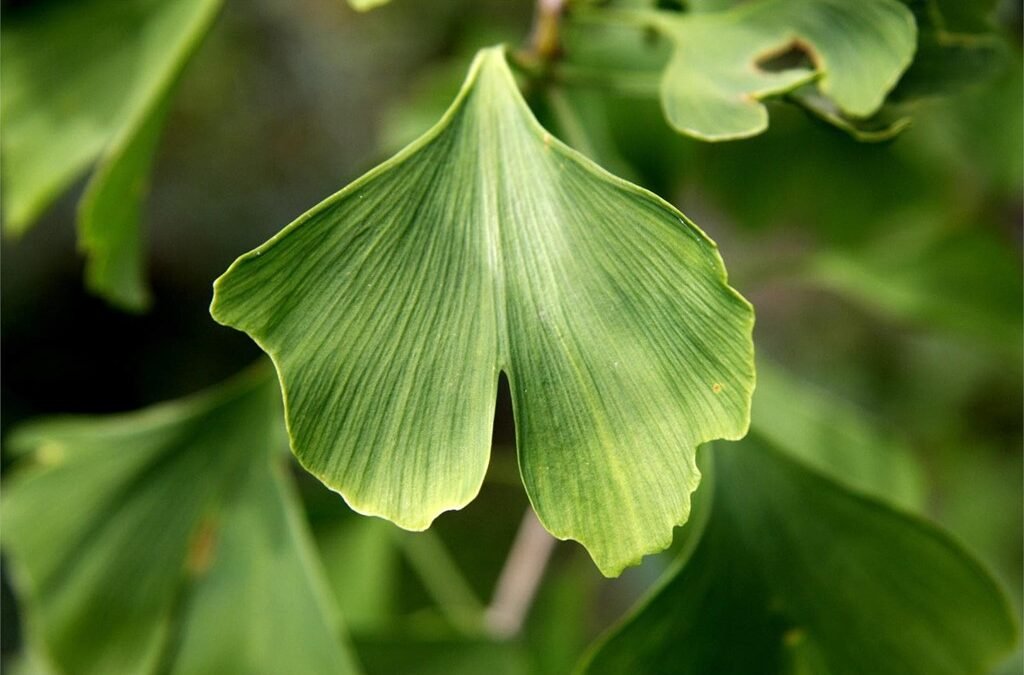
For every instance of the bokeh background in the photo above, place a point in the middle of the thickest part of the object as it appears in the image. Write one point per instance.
(885, 275)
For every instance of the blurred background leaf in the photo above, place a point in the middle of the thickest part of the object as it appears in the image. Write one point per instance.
(169, 539)
(798, 575)
(834, 437)
(87, 80)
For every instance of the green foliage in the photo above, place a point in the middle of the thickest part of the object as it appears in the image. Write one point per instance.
(361, 560)
(487, 246)
(443, 657)
(797, 574)
(174, 539)
(84, 81)
(882, 126)
(960, 280)
(956, 48)
(713, 84)
(836, 60)
(169, 540)
(834, 437)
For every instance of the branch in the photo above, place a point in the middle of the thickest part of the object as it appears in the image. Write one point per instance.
(520, 578)
(545, 41)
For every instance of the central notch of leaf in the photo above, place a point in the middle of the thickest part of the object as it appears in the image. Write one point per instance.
(484, 247)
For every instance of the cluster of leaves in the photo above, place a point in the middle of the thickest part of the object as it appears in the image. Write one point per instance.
(187, 505)
(114, 86)
(389, 311)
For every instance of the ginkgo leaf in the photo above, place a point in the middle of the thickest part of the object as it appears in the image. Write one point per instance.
(110, 211)
(168, 540)
(835, 437)
(792, 573)
(85, 80)
(945, 61)
(488, 246)
(718, 75)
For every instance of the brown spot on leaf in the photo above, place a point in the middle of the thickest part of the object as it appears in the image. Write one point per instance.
(201, 548)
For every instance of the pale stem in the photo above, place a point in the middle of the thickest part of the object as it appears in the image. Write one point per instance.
(520, 578)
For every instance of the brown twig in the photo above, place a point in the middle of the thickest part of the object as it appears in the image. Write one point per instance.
(545, 38)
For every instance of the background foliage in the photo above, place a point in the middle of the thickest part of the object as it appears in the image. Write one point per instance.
(886, 278)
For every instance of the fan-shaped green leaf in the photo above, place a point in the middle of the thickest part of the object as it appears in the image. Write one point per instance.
(488, 246)
(795, 574)
(168, 539)
(85, 80)
(714, 84)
